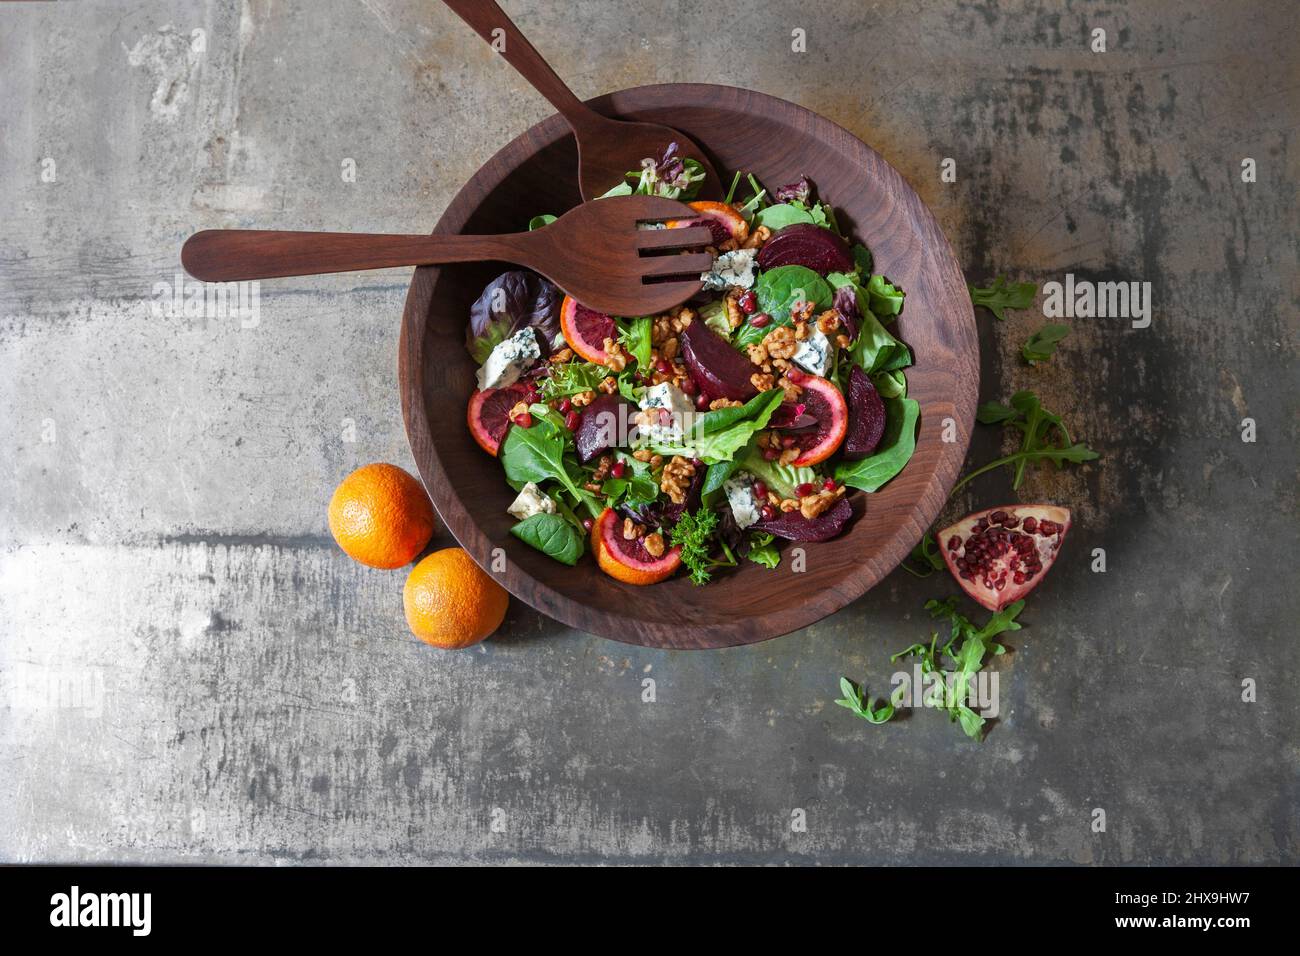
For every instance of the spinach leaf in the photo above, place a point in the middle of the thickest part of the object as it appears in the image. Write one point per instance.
(552, 535)
(777, 290)
(893, 452)
(537, 454)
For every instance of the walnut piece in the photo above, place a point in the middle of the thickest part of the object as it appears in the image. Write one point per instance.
(609, 385)
(676, 479)
(631, 530)
(810, 506)
(781, 343)
(583, 398)
(828, 321)
(723, 403)
(654, 543)
(562, 356)
(615, 357)
(762, 381)
(757, 238)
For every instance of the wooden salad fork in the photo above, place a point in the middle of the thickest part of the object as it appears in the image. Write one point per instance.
(594, 252)
(607, 148)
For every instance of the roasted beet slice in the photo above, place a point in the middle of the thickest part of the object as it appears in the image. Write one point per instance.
(718, 370)
(866, 417)
(805, 244)
(600, 426)
(793, 526)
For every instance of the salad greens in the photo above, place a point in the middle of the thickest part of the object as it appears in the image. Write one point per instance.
(709, 476)
(1000, 296)
(1042, 344)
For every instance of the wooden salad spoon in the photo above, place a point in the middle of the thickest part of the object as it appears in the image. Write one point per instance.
(607, 148)
(594, 252)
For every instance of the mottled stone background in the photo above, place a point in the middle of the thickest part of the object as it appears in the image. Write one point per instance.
(193, 672)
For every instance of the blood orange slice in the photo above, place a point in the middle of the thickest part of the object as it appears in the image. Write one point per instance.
(722, 219)
(823, 401)
(627, 559)
(489, 413)
(586, 330)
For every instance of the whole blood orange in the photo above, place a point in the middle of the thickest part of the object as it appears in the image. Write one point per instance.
(381, 516)
(451, 602)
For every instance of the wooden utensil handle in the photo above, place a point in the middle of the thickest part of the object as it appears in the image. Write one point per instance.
(234, 255)
(485, 17)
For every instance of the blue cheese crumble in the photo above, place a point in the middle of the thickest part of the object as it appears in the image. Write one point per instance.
(814, 352)
(509, 360)
(740, 495)
(669, 410)
(735, 268)
(531, 501)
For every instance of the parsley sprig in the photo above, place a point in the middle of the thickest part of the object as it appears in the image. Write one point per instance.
(693, 533)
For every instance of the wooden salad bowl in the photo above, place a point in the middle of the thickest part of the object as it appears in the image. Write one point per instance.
(777, 141)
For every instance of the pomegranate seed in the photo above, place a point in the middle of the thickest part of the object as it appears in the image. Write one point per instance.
(795, 375)
(663, 366)
(618, 468)
(688, 386)
(748, 302)
(787, 441)
(804, 489)
(586, 524)
(1011, 521)
(759, 320)
(572, 420)
(1031, 523)
(760, 490)
(770, 454)
(1018, 578)
(768, 512)
(1047, 528)
(564, 406)
(701, 401)
(954, 543)
(998, 517)
(524, 419)
(999, 584)
(829, 484)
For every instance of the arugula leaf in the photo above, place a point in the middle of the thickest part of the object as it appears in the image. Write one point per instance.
(990, 413)
(1042, 344)
(1038, 426)
(893, 452)
(552, 535)
(693, 534)
(635, 336)
(762, 549)
(999, 297)
(925, 555)
(731, 193)
(854, 700)
(781, 215)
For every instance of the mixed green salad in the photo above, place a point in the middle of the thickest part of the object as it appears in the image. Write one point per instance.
(708, 435)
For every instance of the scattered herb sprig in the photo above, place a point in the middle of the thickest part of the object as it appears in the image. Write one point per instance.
(967, 646)
(1042, 344)
(1039, 427)
(1001, 296)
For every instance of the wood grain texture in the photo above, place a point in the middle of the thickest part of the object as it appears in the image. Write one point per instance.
(777, 141)
(610, 276)
(603, 143)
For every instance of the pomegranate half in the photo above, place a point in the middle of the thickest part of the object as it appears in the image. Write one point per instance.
(999, 555)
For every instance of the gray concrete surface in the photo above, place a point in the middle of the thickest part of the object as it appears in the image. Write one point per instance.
(193, 672)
